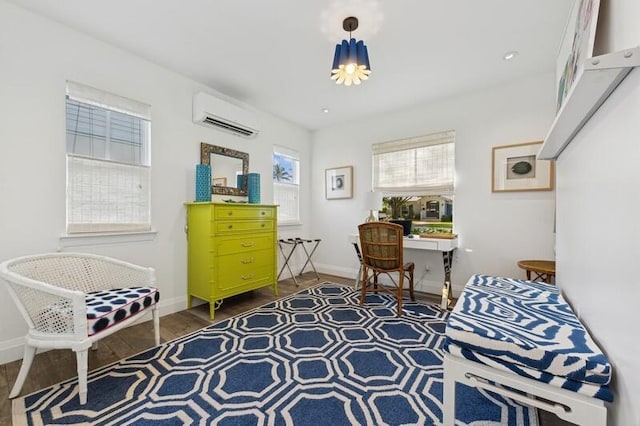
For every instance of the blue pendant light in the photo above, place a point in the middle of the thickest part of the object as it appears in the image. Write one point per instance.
(351, 58)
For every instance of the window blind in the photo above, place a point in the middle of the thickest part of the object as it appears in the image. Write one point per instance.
(105, 196)
(108, 162)
(422, 165)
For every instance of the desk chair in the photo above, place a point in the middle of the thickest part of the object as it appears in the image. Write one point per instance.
(382, 252)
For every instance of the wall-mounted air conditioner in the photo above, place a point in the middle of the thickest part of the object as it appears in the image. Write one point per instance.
(222, 115)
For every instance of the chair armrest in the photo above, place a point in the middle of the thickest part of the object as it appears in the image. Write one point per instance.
(47, 308)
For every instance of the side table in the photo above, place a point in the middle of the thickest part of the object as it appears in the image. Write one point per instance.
(544, 270)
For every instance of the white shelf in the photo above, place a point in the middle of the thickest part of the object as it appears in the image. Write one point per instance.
(599, 78)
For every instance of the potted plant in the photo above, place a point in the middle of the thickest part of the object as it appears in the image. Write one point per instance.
(396, 204)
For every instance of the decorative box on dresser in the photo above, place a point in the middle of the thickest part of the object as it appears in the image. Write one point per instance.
(231, 250)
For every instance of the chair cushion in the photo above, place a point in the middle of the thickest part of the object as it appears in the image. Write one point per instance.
(108, 307)
(527, 324)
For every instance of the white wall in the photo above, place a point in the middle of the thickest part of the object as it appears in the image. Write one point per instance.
(496, 229)
(37, 56)
(598, 229)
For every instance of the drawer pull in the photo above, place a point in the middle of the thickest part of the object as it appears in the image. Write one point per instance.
(263, 213)
(248, 277)
(248, 243)
(245, 261)
(230, 226)
(230, 213)
(262, 225)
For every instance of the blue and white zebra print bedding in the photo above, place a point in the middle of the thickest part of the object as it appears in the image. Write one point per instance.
(528, 328)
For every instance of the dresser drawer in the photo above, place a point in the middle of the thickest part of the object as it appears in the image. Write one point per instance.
(244, 262)
(230, 245)
(229, 227)
(239, 212)
(233, 279)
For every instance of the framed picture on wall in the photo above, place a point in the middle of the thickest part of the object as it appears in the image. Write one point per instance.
(577, 45)
(338, 183)
(516, 168)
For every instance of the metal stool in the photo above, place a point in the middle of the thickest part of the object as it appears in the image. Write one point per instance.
(294, 243)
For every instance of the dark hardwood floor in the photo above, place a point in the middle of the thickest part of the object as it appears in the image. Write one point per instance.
(55, 366)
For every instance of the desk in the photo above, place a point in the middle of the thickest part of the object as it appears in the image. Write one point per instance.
(544, 269)
(445, 246)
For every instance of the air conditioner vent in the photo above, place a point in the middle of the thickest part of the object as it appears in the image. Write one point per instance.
(228, 126)
(222, 115)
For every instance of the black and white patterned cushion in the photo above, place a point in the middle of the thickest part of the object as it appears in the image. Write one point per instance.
(530, 329)
(108, 307)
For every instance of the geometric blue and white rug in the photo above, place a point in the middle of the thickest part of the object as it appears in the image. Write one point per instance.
(313, 358)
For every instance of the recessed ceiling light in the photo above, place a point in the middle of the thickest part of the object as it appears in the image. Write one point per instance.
(510, 55)
(325, 110)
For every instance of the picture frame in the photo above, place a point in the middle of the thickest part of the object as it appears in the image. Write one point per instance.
(517, 168)
(219, 181)
(338, 183)
(576, 46)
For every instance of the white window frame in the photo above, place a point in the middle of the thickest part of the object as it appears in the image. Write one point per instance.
(287, 194)
(106, 197)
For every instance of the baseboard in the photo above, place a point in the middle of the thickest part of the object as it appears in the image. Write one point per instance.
(11, 350)
(421, 284)
(171, 306)
(337, 270)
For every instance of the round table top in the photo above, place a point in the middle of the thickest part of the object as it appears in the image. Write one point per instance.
(543, 266)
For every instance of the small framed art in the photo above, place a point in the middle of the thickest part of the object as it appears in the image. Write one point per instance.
(576, 46)
(338, 183)
(516, 168)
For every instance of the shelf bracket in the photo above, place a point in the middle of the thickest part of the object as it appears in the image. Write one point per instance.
(599, 78)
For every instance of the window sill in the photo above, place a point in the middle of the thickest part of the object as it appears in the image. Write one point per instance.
(296, 223)
(75, 240)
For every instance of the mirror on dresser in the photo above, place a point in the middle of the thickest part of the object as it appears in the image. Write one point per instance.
(226, 165)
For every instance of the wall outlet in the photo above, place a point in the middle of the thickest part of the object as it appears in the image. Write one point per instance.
(427, 268)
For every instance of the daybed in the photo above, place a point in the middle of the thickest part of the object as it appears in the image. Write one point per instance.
(522, 340)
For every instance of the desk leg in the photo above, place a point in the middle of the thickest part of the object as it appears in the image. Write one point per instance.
(447, 291)
(358, 278)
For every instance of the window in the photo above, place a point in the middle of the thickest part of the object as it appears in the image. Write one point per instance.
(108, 162)
(286, 185)
(419, 174)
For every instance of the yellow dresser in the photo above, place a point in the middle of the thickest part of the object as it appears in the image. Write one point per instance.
(231, 249)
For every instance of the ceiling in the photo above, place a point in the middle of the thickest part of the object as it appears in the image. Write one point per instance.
(276, 54)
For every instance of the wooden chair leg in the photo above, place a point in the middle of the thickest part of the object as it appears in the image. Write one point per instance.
(400, 285)
(363, 284)
(27, 360)
(413, 298)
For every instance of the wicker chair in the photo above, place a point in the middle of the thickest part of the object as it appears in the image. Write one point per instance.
(382, 253)
(71, 300)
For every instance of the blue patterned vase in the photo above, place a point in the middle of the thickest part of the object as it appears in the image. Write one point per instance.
(253, 187)
(203, 182)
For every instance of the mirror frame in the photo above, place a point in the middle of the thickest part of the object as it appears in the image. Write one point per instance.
(205, 158)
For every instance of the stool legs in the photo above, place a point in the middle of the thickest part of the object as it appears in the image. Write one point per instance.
(287, 257)
(301, 242)
(294, 243)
